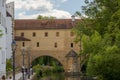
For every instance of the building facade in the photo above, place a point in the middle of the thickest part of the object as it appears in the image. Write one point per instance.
(6, 38)
(53, 38)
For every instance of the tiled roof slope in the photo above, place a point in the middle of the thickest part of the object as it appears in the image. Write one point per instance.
(71, 53)
(20, 38)
(34, 24)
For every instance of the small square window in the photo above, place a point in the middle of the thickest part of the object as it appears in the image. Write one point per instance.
(34, 34)
(55, 45)
(71, 45)
(38, 44)
(71, 34)
(46, 34)
(23, 44)
(57, 34)
(22, 34)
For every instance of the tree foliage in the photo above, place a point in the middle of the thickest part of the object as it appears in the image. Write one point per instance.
(9, 65)
(45, 17)
(1, 33)
(101, 38)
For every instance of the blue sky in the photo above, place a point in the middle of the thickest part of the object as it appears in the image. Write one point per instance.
(30, 9)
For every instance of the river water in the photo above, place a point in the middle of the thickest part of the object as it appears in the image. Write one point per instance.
(61, 76)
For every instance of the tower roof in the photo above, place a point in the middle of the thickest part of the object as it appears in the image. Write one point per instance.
(71, 53)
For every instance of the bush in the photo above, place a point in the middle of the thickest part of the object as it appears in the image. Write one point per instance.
(105, 66)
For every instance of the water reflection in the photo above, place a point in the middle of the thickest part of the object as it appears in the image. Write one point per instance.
(61, 77)
(73, 78)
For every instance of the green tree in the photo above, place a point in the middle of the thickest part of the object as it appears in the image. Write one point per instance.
(8, 65)
(101, 38)
(45, 17)
(0, 33)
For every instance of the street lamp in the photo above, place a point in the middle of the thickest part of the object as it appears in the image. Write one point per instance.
(13, 53)
(28, 64)
(23, 64)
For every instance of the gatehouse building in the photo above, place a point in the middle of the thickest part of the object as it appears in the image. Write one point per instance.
(52, 37)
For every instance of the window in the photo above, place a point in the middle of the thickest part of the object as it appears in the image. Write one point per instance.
(3, 3)
(37, 44)
(6, 30)
(57, 34)
(22, 34)
(0, 17)
(46, 34)
(3, 57)
(55, 45)
(71, 34)
(3, 21)
(71, 45)
(23, 44)
(34, 34)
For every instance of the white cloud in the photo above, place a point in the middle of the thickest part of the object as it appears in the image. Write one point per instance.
(64, 0)
(56, 13)
(23, 15)
(23, 9)
(32, 4)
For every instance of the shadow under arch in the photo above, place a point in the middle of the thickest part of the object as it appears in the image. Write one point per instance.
(60, 63)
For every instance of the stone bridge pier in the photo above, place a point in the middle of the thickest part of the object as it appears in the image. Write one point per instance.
(69, 59)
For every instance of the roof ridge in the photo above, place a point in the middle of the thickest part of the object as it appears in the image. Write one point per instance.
(44, 24)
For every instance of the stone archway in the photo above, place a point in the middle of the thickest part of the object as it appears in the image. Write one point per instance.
(60, 58)
(46, 61)
(59, 55)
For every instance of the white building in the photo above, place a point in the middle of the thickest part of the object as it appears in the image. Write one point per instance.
(6, 38)
(9, 27)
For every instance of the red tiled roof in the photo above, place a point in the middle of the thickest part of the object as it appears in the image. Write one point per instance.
(32, 24)
(20, 38)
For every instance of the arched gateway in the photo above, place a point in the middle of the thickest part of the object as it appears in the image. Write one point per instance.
(47, 37)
